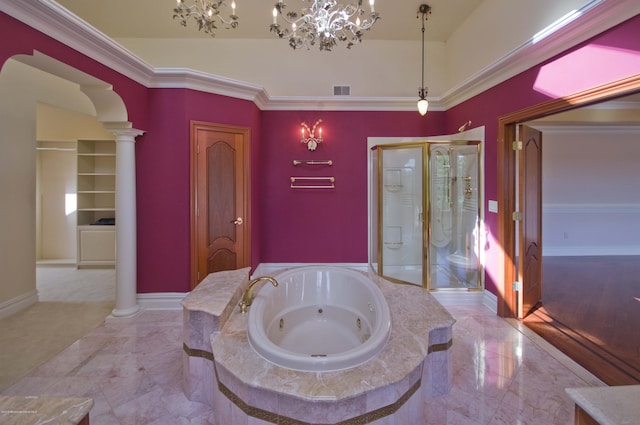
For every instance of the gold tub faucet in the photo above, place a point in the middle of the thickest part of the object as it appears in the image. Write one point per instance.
(247, 298)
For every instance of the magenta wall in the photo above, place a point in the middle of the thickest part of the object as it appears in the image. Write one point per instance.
(163, 185)
(303, 225)
(323, 225)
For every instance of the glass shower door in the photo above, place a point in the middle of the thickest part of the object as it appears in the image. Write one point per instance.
(454, 216)
(402, 218)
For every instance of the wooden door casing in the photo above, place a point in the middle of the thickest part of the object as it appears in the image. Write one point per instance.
(505, 275)
(220, 199)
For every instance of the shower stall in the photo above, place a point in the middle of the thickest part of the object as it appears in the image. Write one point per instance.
(425, 213)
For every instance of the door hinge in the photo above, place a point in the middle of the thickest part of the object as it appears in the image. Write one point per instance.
(198, 277)
(517, 145)
(517, 216)
(517, 286)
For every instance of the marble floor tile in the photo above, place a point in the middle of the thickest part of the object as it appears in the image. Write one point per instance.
(132, 368)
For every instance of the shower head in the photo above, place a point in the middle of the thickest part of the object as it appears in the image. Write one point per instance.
(464, 126)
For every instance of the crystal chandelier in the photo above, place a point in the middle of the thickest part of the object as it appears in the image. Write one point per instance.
(207, 14)
(324, 22)
(423, 104)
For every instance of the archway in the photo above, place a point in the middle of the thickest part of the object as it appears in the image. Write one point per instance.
(111, 111)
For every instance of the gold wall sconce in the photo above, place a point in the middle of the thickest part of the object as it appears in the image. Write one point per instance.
(311, 141)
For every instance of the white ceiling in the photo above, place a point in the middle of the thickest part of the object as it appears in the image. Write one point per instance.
(154, 18)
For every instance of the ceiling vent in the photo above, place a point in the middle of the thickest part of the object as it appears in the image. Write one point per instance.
(342, 90)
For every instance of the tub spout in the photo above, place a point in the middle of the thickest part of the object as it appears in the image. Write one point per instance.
(247, 298)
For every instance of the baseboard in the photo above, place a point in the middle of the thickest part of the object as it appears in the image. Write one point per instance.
(17, 304)
(161, 300)
(490, 301)
(458, 297)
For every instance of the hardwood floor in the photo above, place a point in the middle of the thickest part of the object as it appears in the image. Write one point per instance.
(591, 311)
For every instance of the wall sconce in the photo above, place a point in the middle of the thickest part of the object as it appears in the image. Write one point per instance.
(311, 141)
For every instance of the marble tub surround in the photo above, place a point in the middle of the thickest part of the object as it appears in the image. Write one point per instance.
(215, 297)
(16, 410)
(609, 405)
(413, 367)
(206, 310)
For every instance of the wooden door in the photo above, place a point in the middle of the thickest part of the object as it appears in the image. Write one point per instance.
(530, 236)
(220, 168)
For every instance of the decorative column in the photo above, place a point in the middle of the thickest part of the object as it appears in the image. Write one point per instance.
(126, 243)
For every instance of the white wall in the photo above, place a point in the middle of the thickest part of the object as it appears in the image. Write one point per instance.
(591, 197)
(375, 68)
(56, 191)
(58, 128)
(20, 88)
(496, 28)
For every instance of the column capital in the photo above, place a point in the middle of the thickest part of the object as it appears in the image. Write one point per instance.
(126, 133)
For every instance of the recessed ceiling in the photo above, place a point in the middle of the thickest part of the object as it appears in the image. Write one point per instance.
(154, 18)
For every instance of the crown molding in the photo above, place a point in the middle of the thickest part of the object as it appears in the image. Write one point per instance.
(57, 22)
(184, 78)
(348, 103)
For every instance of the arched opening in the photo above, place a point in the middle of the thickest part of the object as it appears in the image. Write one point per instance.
(19, 121)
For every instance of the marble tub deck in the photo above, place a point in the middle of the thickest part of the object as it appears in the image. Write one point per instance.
(412, 368)
(33, 410)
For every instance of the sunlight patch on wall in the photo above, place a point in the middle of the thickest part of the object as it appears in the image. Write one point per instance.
(588, 67)
(70, 203)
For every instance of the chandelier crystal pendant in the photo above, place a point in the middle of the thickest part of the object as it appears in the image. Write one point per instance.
(324, 22)
(423, 104)
(206, 13)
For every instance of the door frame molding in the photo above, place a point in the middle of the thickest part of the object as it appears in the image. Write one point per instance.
(506, 238)
(193, 183)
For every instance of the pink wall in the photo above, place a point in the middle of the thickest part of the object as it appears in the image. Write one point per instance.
(323, 225)
(295, 225)
(163, 191)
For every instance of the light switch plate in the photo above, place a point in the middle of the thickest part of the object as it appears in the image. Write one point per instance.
(493, 206)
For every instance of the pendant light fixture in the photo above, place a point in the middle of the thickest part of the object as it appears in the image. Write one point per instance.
(423, 104)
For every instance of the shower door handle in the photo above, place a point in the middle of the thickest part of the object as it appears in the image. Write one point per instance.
(237, 221)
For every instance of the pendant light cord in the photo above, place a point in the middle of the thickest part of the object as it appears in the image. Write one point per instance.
(422, 87)
(423, 10)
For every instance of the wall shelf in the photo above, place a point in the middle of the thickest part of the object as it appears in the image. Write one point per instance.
(326, 162)
(313, 182)
(96, 200)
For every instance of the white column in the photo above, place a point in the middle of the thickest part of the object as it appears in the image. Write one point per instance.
(126, 243)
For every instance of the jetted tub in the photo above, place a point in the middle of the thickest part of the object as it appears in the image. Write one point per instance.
(319, 318)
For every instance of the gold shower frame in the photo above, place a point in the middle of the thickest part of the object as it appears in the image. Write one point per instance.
(426, 146)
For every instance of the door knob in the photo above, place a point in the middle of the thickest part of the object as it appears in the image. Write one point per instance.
(237, 221)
